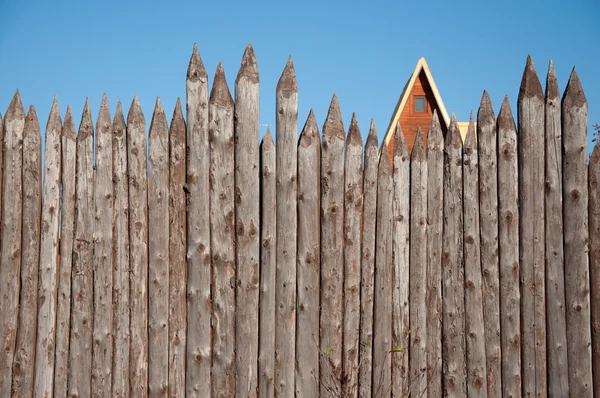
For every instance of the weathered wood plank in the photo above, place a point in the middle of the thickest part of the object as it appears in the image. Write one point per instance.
(309, 260)
(382, 301)
(508, 244)
(418, 269)
(401, 268)
(266, 349)
(24, 360)
(199, 307)
(435, 207)
(353, 209)
(1, 160)
(120, 368)
(177, 254)
(453, 320)
(49, 257)
(222, 235)
(10, 257)
(556, 327)
(474, 321)
(102, 348)
(531, 232)
(365, 373)
(247, 202)
(332, 254)
(594, 226)
(138, 250)
(80, 344)
(575, 202)
(63, 307)
(159, 331)
(287, 223)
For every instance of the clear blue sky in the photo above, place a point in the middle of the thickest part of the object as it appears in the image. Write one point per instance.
(364, 52)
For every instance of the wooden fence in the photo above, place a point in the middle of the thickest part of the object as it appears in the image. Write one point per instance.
(215, 266)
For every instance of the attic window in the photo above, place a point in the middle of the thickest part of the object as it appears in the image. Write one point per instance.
(420, 105)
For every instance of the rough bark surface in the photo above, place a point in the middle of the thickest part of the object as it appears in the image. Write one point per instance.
(309, 260)
(594, 226)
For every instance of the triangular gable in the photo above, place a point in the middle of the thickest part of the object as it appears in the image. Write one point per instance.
(421, 66)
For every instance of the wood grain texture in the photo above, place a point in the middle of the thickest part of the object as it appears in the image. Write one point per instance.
(10, 257)
(159, 331)
(508, 244)
(435, 208)
(268, 256)
(575, 208)
(332, 254)
(222, 236)
(531, 232)
(353, 208)
(287, 223)
(474, 321)
(199, 305)
(417, 374)
(63, 306)
(138, 250)
(401, 269)
(453, 332)
(309, 259)
(49, 257)
(82, 293)
(247, 210)
(382, 301)
(120, 367)
(365, 373)
(24, 360)
(102, 349)
(556, 327)
(594, 230)
(177, 254)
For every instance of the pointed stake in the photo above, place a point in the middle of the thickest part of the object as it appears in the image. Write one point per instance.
(196, 70)
(249, 67)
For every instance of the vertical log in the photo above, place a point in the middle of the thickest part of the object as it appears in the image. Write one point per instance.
(401, 268)
(10, 257)
(138, 250)
(531, 233)
(435, 207)
(508, 244)
(222, 237)
(177, 249)
(453, 343)
(309, 260)
(332, 255)
(1, 160)
(353, 208)
(120, 369)
(63, 307)
(474, 321)
(24, 360)
(365, 374)
(488, 217)
(575, 202)
(382, 301)
(247, 202)
(49, 257)
(266, 349)
(594, 226)
(159, 331)
(199, 307)
(418, 269)
(556, 327)
(103, 261)
(287, 223)
(80, 345)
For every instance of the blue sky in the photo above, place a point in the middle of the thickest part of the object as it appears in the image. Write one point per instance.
(362, 51)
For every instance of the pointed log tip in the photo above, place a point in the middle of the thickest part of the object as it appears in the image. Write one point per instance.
(178, 106)
(530, 83)
(418, 152)
(435, 138)
(552, 91)
(334, 126)
(15, 108)
(249, 67)
(595, 156)
(287, 82)
(196, 68)
(384, 161)
(574, 95)
(372, 140)
(310, 131)
(119, 118)
(158, 105)
(220, 94)
(68, 129)
(505, 117)
(485, 111)
(267, 141)
(311, 123)
(86, 127)
(400, 145)
(453, 138)
(470, 139)
(32, 125)
(135, 111)
(54, 120)
(354, 137)
(119, 107)
(177, 127)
